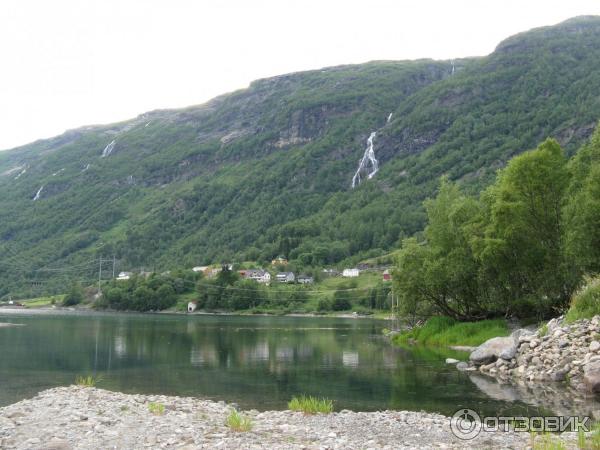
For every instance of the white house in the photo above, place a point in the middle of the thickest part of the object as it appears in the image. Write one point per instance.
(192, 306)
(351, 273)
(124, 276)
(286, 277)
(259, 275)
(305, 279)
(199, 268)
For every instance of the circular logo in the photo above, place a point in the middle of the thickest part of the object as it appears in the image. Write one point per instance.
(465, 424)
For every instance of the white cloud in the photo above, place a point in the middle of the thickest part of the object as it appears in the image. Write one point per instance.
(68, 63)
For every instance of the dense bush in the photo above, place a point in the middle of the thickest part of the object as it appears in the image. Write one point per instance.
(74, 296)
(155, 293)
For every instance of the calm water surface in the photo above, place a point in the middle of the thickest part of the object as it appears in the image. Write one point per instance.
(256, 362)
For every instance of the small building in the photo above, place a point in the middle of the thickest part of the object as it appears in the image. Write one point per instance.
(200, 268)
(192, 307)
(331, 272)
(124, 276)
(305, 279)
(387, 276)
(286, 277)
(258, 275)
(351, 273)
(280, 260)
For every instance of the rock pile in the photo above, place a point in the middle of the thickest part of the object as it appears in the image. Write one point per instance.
(558, 352)
(76, 418)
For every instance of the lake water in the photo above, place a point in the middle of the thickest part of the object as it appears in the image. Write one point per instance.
(256, 362)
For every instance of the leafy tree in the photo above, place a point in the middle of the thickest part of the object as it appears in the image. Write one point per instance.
(581, 215)
(522, 247)
(442, 272)
(74, 296)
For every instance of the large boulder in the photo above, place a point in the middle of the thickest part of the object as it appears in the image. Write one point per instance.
(491, 350)
(591, 376)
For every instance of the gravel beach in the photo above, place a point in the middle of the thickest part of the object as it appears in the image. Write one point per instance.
(89, 418)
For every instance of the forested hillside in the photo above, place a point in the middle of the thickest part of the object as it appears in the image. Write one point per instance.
(267, 170)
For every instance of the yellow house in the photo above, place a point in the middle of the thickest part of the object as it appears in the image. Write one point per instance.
(280, 260)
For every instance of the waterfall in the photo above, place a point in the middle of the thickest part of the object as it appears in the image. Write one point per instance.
(452, 62)
(21, 173)
(108, 149)
(86, 167)
(38, 193)
(368, 157)
(389, 118)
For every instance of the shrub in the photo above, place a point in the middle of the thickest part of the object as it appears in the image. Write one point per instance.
(74, 296)
(87, 381)
(323, 305)
(585, 303)
(238, 422)
(156, 408)
(311, 405)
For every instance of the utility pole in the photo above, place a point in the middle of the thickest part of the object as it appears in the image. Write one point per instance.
(99, 277)
(114, 260)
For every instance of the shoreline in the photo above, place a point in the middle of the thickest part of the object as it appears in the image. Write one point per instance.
(195, 313)
(85, 418)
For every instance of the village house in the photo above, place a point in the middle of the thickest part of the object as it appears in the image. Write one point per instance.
(192, 306)
(286, 277)
(258, 275)
(305, 279)
(280, 260)
(124, 276)
(331, 272)
(387, 276)
(351, 273)
(200, 268)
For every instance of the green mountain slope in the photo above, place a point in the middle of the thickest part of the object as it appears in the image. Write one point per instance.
(268, 169)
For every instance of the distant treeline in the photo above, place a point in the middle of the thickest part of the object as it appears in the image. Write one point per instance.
(230, 292)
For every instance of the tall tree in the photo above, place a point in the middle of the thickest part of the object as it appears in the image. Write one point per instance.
(523, 240)
(582, 210)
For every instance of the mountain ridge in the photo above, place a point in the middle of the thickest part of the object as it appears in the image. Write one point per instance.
(267, 170)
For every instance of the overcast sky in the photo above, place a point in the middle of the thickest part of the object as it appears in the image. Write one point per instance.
(68, 63)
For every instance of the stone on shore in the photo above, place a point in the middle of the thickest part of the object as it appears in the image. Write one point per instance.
(491, 350)
(591, 376)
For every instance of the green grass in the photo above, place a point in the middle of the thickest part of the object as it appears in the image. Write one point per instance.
(157, 409)
(87, 381)
(442, 330)
(238, 422)
(311, 405)
(585, 303)
(43, 301)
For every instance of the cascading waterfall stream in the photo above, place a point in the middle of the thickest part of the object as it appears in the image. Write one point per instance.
(108, 149)
(38, 193)
(368, 157)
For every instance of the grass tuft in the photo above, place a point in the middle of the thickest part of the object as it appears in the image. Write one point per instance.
(238, 422)
(446, 331)
(87, 381)
(157, 409)
(585, 303)
(311, 405)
